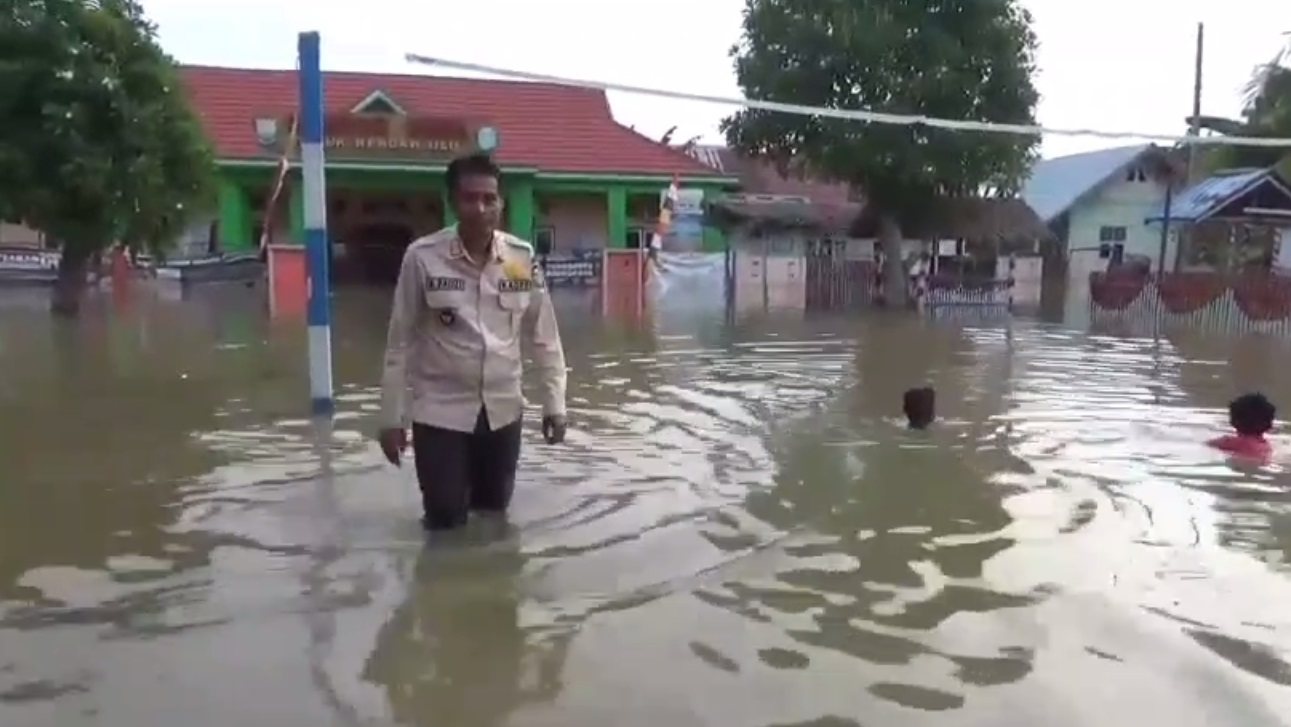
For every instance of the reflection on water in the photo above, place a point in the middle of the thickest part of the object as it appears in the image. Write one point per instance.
(739, 532)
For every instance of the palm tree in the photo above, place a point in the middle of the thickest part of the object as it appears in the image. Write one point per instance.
(1266, 112)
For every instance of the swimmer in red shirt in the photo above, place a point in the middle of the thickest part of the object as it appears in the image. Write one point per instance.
(1252, 417)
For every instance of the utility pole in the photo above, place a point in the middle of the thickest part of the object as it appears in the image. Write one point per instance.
(1194, 131)
(1194, 128)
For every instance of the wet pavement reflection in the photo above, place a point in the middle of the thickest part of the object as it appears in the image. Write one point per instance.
(738, 532)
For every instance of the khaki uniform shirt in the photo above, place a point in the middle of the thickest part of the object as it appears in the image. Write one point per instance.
(455, 335)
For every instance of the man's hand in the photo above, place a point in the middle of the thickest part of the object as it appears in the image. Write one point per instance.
(394, 440)
(553, 428)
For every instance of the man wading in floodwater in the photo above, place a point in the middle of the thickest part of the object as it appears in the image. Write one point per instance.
(465, 297)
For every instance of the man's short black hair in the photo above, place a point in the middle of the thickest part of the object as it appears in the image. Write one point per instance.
(920, 406)
(478, 164)
(1252, 414)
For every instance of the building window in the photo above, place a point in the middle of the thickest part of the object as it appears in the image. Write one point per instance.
(1136, 174)
(1109, 233)
(638, 238)
(544, 239)
(1113, 251)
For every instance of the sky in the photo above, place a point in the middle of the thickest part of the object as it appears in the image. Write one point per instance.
(1113, 65)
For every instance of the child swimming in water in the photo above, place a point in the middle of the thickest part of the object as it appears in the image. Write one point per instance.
(920, 407)
(1252, 417)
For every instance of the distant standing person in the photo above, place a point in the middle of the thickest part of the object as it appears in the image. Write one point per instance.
(465, 298)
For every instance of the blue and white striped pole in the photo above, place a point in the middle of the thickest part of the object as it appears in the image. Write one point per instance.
(317, 255)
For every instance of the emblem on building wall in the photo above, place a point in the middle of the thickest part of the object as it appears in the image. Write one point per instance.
(486, 138)
(267, 131)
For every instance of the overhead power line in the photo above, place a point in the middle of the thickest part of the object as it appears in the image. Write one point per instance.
(873, 117)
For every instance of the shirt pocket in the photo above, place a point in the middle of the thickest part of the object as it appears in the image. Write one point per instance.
(445, 293)
(513, 306)
(446, 309)
(438, 300)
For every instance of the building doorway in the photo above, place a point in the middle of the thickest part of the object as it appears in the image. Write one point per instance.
(371, 232)
(370, 253)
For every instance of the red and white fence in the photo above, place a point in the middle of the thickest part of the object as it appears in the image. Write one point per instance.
(1246, 302)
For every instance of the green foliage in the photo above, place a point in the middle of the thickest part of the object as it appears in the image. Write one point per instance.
(958, 59)
(97, 141)
(1266, 113)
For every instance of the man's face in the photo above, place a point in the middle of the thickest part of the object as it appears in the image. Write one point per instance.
(476, 202)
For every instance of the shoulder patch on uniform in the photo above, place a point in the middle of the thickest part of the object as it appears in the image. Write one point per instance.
(513, 241)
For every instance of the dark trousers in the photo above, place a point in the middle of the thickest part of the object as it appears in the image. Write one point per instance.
(463, 471)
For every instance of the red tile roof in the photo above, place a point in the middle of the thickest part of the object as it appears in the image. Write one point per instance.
(761, 177)
(550, 127)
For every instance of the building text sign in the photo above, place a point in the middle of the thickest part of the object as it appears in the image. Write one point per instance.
(573, 268)
(377, 144)
(387, 137)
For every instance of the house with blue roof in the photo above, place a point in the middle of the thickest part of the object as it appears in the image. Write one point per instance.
(1237, 218)
(1097, 203)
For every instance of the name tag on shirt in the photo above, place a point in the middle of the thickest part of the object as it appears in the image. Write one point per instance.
(435, 284)
(507, 285)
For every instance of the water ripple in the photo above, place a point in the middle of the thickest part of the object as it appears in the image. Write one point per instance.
(738, 532)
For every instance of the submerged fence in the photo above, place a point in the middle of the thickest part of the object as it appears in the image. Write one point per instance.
(758, 280)
(1239, 303)
(837, 282)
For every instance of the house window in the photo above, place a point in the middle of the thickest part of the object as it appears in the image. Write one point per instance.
(1109, 233)
(638, 238)
(1136, 174)
(544, 239)
(781, 246)
(1112, 251)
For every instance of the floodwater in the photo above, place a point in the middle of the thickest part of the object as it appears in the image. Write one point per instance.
(738, 532)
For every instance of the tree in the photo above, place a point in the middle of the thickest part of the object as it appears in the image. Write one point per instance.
(98, 144)
(958, 59)
(1266, 113)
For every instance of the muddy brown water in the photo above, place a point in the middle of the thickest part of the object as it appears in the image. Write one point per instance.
(738, 533)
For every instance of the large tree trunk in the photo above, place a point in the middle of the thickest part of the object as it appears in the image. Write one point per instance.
(894, 276)
(69, 288)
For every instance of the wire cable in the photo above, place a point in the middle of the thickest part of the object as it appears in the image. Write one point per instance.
(874, 117)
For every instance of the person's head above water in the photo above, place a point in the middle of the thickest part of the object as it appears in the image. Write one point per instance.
(1252, 415)
(473, 192)
(920, 407)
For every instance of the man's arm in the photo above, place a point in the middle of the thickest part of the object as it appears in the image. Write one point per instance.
(404, 313)
(543, 336)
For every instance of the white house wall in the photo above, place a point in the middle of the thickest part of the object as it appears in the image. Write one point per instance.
(1120, 203)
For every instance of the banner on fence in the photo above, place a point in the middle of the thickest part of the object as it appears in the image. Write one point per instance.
(28, 259)
(573, 268)
(685, 233)
(691, 281)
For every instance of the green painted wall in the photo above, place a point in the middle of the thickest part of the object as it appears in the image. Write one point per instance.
(520, 207)
(234, 217)
(520, 189)
(714, 239)
(296, 213)
(616, 217)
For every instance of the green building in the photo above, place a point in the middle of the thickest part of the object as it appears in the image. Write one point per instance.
(574, 178)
